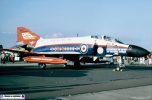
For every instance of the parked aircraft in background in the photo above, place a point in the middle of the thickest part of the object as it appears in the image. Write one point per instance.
(87, 49)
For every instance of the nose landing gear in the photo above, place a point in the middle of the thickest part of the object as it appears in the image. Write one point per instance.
(121, 66)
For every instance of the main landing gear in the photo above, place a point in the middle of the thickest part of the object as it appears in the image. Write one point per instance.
(77, 64)
(121, 66)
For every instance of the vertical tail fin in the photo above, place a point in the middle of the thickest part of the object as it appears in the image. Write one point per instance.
(26, 36)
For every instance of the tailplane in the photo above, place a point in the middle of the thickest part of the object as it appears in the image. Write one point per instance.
(26, 36)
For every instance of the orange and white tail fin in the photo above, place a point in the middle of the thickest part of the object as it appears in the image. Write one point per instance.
(26, 36)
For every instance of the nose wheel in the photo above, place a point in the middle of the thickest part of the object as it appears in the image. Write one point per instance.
(119, 68)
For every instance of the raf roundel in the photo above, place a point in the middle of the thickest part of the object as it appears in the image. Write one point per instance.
(83, 48)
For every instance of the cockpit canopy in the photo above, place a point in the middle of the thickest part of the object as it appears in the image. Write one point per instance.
(106, 38)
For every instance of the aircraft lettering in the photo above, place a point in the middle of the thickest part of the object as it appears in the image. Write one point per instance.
(64, 48)
(27, 35)
(116, 50)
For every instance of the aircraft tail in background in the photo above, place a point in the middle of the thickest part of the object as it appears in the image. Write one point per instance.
(1, 47)
(26, 36)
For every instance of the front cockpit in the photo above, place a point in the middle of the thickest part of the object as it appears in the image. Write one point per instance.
(106, 38)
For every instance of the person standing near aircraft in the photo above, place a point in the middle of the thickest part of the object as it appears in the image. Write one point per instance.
(12, 58)
(3, 57)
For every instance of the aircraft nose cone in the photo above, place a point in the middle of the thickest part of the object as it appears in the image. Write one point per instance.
(136, 51)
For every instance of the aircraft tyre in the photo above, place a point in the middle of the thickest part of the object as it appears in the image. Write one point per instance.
(42, 66)
(120, 68)
(66, 66)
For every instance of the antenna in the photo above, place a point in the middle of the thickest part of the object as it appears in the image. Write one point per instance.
(77, 35)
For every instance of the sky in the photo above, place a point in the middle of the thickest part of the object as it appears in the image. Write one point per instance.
(127, 20)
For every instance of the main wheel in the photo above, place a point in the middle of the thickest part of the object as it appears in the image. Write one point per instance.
(42, 66)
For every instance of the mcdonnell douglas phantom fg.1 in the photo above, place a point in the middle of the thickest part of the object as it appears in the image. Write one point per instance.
(88, 49)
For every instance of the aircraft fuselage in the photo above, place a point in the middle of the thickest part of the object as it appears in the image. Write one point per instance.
(86, 46)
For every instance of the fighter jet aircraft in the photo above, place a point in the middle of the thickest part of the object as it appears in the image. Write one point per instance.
(87, 49)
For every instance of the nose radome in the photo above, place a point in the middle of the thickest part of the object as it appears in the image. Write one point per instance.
(136, 51)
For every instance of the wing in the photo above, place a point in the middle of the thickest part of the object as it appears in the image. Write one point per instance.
(36, 57)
